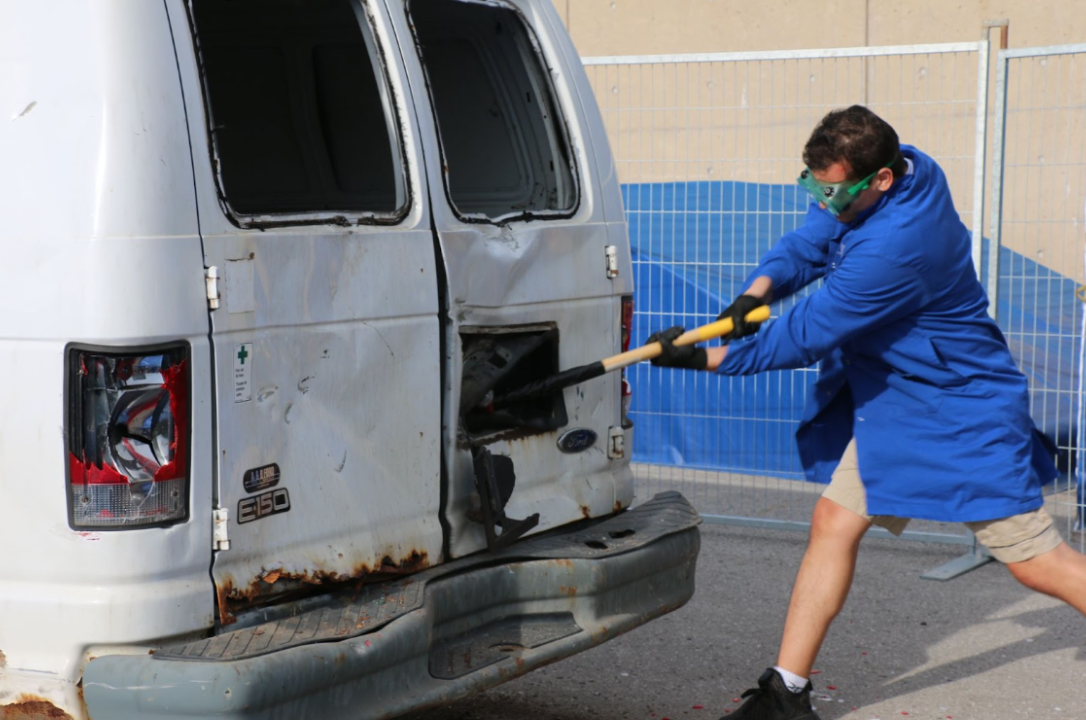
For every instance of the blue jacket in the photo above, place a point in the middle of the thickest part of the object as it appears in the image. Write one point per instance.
(911, 364)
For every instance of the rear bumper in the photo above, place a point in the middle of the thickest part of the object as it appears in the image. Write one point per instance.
(421, 641)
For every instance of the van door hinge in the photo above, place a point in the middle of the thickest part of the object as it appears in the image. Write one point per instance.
(616, 443)
(211, 280)
(612, 261)
(221, 518)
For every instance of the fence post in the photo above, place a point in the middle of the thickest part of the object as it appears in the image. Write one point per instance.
(978, 555)
(997, 184)
(1079, 523)
(981, 153)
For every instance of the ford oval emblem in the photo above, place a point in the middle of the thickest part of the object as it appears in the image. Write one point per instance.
(575, 441)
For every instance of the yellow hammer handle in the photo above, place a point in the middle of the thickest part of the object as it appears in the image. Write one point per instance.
(698, 334)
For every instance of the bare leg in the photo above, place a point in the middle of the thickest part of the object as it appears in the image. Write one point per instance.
(823, 582)
(1060, 573)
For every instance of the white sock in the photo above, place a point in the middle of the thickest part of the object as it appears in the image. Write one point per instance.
(793, 682)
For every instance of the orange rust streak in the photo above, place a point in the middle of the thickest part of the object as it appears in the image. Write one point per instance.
(223, 592)
(231, 599)
(32, 707)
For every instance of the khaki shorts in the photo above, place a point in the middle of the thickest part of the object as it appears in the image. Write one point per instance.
(1010, 540)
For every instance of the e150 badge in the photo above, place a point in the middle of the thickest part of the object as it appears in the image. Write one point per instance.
(263, 505)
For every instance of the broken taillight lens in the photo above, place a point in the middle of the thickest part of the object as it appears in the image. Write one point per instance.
(128, 437)
(627, 331)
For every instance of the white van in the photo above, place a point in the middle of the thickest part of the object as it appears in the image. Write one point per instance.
(271, 265)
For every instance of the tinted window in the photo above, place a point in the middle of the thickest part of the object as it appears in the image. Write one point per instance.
(502, 136)
(301, 120)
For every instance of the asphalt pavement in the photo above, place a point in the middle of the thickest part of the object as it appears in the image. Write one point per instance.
(979, 647)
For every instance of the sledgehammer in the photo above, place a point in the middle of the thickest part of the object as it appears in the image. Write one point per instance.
(577, 375)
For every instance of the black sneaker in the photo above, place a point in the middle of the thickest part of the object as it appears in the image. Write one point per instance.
(772, 700)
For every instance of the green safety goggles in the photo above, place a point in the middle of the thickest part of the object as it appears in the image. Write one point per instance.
(836, 196)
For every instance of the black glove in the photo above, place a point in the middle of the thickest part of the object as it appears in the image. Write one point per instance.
(737, 311)
(691, 357)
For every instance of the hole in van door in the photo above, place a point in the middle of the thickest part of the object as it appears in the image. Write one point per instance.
(497, 360)
(501, 128)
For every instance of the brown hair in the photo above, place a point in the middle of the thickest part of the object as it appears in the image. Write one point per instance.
(857, 136)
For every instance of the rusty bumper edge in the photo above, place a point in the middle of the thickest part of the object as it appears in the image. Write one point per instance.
(610, 578)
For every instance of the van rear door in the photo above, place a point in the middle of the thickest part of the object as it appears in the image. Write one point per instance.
(326, 339)
(518, 211)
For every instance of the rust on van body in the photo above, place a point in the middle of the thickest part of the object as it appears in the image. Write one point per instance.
(279, 584)
(32, 707)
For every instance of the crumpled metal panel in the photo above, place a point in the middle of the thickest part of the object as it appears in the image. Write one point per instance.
(609, 577)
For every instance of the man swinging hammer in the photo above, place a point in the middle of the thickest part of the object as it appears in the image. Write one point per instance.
(919, 410)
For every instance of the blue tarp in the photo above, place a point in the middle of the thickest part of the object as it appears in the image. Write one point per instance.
(693, 245)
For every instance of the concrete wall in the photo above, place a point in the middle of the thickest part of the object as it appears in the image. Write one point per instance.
(636, 27)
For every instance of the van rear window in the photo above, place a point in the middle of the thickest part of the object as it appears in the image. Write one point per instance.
(502, 134)
(299, 112)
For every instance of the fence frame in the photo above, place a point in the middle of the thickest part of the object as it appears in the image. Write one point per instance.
(976, 555)
(981, 47)
(1003, 70)
(1000, 147)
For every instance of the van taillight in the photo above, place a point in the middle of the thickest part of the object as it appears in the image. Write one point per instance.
(627, 330)
(128, 437)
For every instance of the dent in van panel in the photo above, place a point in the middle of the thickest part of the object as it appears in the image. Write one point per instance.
(363, 482)
(537, 263)
(26, 110)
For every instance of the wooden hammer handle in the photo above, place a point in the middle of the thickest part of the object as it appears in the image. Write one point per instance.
(698, 334)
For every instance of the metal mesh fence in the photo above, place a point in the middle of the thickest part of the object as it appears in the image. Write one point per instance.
(708, 148)
(1038, 188)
